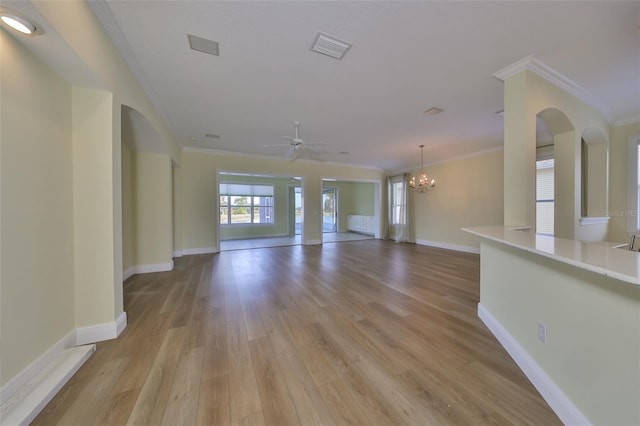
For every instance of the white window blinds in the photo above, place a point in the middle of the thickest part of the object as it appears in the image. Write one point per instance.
(545, 197)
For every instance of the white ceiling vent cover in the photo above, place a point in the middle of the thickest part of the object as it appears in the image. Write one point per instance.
(330, 46)
(203, 45)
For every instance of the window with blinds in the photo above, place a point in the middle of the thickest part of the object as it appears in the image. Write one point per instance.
(246, 204)
(545, 197)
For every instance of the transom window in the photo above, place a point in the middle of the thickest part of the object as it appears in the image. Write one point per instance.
(246, 204)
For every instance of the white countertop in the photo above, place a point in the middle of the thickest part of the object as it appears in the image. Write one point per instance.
(598, 257)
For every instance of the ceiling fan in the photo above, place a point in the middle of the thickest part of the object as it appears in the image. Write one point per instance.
(297, 145)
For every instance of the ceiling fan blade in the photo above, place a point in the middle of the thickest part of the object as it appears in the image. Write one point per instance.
(277, 144)
(315, 143)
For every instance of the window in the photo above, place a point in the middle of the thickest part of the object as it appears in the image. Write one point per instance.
(246, 204)
(545, 201)
(397, 203)
(634, 185)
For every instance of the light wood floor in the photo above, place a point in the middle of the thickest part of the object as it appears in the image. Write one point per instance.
(363, 332)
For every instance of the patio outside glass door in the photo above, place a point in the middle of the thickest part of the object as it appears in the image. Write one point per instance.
(329, 210)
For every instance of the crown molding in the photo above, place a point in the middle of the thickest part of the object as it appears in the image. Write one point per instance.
(627, 121)
(212, 151)
(449, 160)
(530, 63)
(104, 14)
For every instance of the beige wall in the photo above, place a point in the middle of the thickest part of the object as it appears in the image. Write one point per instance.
(468, 193)
(36, 252)
(618, 172)
(526, 95)
(354, 198)
(199, 190)
(153, 209)
(592, 324)
(128, 208)
(93, 208)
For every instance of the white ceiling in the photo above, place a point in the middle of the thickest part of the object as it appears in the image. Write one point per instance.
(406, 57)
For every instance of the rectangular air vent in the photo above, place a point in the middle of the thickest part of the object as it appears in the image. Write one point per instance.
(330, 46)
(203, 45)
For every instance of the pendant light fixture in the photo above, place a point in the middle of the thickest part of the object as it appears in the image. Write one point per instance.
(422, 183)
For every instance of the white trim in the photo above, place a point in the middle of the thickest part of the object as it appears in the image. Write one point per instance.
(557, 400)
(128, 273)
(121, 323)
(103, 12)
(211, 151)
(155, 267)
(530, 63)
(627, 121)
(23, 406)
(145, 269)
(101, 332)
(177, 253)
(312, 242)
(202, 250)
(455, 247)
(9, 389)
(586, 221)
(450, 160)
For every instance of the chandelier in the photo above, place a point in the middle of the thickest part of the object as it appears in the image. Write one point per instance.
(422, 183)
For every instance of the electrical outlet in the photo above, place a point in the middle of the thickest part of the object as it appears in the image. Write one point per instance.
(542, 333)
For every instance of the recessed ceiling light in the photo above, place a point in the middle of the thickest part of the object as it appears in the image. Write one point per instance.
(194, 139)
(344, 152)
(433, 111)
(212, 136)
(18, 23)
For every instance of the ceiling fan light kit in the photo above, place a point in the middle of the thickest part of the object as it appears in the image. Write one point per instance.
(297, 144)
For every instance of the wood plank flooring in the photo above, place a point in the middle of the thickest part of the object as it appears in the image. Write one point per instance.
(362, 332)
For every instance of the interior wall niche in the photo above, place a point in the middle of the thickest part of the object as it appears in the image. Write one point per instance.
(594, 171)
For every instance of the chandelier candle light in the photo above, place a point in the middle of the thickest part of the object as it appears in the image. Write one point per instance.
(423, 184)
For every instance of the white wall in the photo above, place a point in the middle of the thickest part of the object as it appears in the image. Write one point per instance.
(36, 209)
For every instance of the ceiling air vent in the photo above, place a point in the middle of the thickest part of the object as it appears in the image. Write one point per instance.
(203, 45)
(330, 46)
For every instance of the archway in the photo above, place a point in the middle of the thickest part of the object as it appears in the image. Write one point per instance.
(555, 184)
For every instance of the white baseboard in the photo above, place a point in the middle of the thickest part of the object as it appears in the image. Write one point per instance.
(312, 242)
(145, 269)
(177, 253)
(100, 332)
(23, 405)
(202, 250)
(455, 247)
(11, 388)
(127, 273)
(557, 400)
